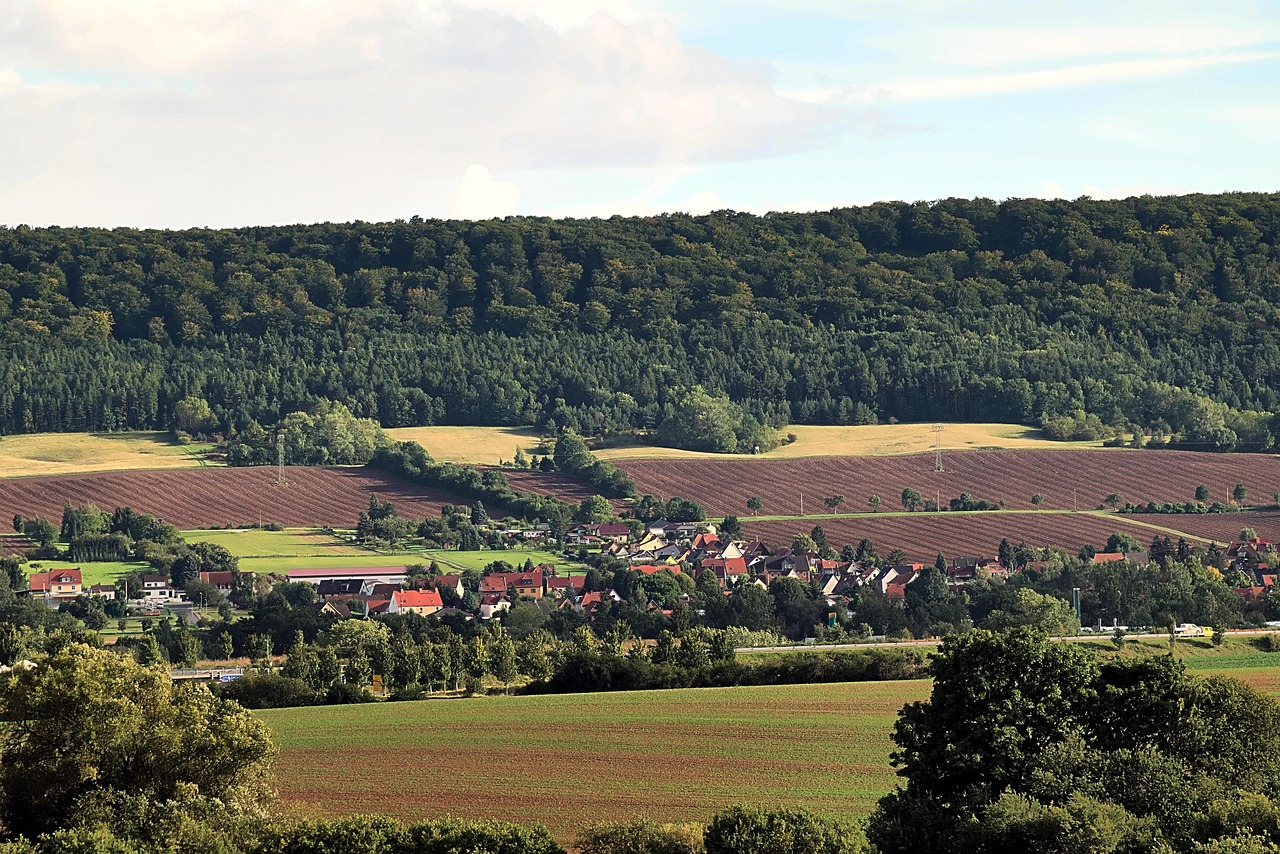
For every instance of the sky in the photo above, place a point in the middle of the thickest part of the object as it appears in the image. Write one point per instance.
(182, 113)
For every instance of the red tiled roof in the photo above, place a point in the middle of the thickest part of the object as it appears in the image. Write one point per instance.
(417, 599)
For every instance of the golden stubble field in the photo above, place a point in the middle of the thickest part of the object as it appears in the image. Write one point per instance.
(68, 453)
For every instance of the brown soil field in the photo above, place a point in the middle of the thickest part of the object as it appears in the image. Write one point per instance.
(1219, 527)
(202, 498)
(15, 545)
(566, 487)
(923, 535)
(1068, 479)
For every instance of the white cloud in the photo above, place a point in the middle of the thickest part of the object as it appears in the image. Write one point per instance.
(232, 111)
(993, 46)
(479, 196)
(936, 88)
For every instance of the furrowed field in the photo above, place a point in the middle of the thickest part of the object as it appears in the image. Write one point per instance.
(569, 759)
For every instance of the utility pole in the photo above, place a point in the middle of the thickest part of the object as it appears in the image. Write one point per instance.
(802, 504)
(937, 446)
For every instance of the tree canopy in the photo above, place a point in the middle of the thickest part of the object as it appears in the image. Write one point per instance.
(1030, 744)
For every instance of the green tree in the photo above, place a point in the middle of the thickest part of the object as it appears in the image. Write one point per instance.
(874, 501)
(1037, 499)
(754, 830)
(1114, 500)
(135, 732)
(754, 504)
(193, 415)
(1202, 493)
(833, 502)
(1240, 493)
(911, 498)
(502, 657)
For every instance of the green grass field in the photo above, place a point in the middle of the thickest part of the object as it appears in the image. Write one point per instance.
(566, 759)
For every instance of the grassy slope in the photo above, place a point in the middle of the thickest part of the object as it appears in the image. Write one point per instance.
(68, 453)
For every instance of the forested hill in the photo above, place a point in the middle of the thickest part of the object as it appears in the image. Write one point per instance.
(1156, 311)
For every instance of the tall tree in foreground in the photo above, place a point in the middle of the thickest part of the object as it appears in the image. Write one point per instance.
(86, 724)
(1029, 745)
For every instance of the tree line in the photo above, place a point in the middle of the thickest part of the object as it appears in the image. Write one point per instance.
(1089, 316)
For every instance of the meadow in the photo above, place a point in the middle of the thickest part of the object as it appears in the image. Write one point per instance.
(569, 759)
(66, 453)
(476, 445)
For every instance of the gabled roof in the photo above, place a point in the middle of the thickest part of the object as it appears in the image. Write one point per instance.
(417, 599)
(64, 576)
(651, 568)
(613, 529)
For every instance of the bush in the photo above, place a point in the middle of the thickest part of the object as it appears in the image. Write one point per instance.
(751, 830)
(641, 837)
(268, 691)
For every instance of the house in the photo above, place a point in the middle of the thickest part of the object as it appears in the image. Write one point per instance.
(528, 584)
(569, 586)
(105, 591)
(726, 569)
(340, 588)
(333, 609)
(896, 587)
(651, 568)
(221, 580)
(372, 574)
(151, 583)
(492, 603)
(56, 584)
(613, 532)
(422, 602)
(447, 582)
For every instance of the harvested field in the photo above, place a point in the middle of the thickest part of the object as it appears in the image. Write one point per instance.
(66, 453)
(15, 545)
(201, 498)
(1067, 479)
(677, 755)
(923, 535)
(1219, 527)
(876, 439)
(566, 487)
(486, 445)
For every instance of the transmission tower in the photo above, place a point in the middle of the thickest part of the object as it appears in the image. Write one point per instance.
(937, 446)
(280, 481)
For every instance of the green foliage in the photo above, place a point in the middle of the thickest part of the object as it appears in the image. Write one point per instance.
(1124, 311)
(753, 830)
(704, 422)
(640, 836)
(95, 723)
(1029, 745)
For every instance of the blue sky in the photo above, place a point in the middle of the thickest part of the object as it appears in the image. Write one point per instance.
(227, 112)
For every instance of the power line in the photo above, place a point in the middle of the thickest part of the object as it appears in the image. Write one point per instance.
(937, 446)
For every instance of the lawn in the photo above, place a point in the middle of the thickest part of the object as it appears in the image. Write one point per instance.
(483, 445)
(70, 453)
(296, 542)
(677, 755)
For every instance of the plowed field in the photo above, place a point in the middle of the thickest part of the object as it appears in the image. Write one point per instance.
(676, 755)
(1219, 527)
(196, 498)
(1067, 479)
(923, 535)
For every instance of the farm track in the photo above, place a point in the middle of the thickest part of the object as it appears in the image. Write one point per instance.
(1068, 479)
(208, 497)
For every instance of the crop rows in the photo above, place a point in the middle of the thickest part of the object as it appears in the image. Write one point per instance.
(1067, 479)
(922, 535)
(569, 759)
(198, 498)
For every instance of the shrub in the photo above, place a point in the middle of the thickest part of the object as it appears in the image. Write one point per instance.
(641, 837)
(751, 830)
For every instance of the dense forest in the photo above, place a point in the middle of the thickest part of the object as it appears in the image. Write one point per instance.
(1155, 313)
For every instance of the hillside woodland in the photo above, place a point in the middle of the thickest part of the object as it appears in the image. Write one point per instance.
(1148, 313)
